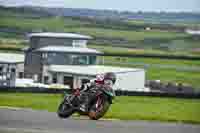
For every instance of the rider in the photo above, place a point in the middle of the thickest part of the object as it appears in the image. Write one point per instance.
(107, 79)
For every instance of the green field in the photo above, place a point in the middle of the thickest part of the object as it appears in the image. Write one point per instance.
(125, 108)
(69, 25)
(132, 51)
(104, 34)
(113, 31)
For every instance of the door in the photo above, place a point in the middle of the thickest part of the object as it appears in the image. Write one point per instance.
(68, 80)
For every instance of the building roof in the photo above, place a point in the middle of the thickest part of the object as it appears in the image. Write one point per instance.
(60, 35)
(72, 50)
(90, 70)
(11, 58)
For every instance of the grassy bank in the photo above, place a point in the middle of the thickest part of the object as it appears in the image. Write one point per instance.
(125, 108)
(132, 51)
(69, 25)
(151, 108)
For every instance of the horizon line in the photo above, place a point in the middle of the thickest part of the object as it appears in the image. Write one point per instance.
(142, 11)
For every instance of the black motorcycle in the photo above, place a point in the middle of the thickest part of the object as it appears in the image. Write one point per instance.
(98, 100)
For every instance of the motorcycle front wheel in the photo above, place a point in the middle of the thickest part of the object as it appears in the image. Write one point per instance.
(64, 110)
(99, 108)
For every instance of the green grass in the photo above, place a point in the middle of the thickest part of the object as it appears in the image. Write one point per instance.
(12, 45)
(45, 23)
(125, 108)
(134, 38)
(156, 23)
(101, 29)
(132, 51)
(128, 35)
(151, 108)
(154, 61)
(28, 100)
(69, 25)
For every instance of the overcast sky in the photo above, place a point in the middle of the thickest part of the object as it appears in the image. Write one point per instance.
(122, 5)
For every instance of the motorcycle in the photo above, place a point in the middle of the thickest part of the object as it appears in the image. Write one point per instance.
(99, 98)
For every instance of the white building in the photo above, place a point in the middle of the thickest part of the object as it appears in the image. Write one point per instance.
(11, 68)
(193, 32)
(63, 58)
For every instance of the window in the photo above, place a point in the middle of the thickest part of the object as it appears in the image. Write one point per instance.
(27, 75)
(35, 77)
(45, 41)
(68, 80)
(54, 79)
(13, 70)
(79, 60)
(1, 70)
(84, 81)
(21, 75)
(92, 60)
(69, 59)
(53, 54)
(79, 43)
(46, 79)
(44, 55)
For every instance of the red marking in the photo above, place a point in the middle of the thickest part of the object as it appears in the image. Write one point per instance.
(77, 92)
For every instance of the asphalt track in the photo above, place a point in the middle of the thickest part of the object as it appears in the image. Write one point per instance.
(29, 121)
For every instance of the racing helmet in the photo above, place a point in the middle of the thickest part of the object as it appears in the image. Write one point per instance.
(110, 76)
(99, 79)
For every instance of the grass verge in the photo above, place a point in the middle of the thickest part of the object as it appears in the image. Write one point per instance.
(124, 108)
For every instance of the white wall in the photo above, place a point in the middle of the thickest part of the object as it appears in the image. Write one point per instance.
(19, 68)
(132, 81)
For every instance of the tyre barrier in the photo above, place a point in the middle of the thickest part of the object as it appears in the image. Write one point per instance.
(158, 94)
